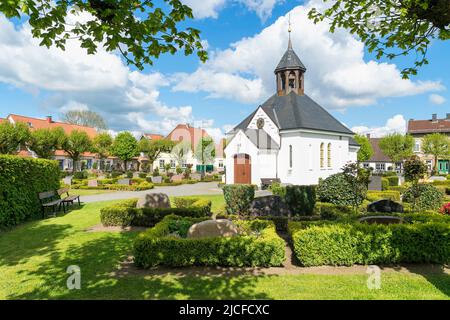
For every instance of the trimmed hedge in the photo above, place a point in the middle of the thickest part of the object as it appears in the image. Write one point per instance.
(259, 246)
(21, 179)
(301, 199)
(430, 198)
(238, 198)
(337, 190)
(384, 184)
(379, 195)
(119, 187)
(323, 243)
(126, 214)
(393, 181)
(192, 202)
(329, 211)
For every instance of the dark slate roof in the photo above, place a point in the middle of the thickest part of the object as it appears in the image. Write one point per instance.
(294, 111)
(353, 142)
(290, 60)
(261, 139)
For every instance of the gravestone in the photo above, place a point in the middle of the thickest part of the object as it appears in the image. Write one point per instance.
(154, 200)
(124, 181)
(68, 180)
(177, 177)
(375, 183)
(196, 176)
(385, 205)
(92, 183)
(437, 178)
(271, 205)
(213, 228)
(157, 179)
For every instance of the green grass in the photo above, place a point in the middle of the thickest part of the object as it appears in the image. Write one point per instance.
(34, 258)
(89, 192)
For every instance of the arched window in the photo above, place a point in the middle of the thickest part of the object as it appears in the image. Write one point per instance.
(290, 156)
(322, 163)
(292, 80)
(329, 155)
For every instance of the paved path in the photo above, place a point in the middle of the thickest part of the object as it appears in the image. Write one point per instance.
(201, 188)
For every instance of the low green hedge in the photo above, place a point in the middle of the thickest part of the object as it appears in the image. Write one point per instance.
(300, 199)
(260, 246)
(384, 184)
(238, 198)
(192, 202)
(329, 211)
(327, 243)
(119, 187)
(379, 195)
(393, 181)
(126, 214)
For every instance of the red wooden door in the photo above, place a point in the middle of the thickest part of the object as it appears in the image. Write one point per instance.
(242, 169)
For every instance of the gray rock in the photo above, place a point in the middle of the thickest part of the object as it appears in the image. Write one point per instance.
(157, 179)
(437, 178)
(177, 178)
(92, 183)
(68, 180)
(124, 181)
(385, 205)
(196, 176)
(213, 228)
(269, 206)
(154, 200)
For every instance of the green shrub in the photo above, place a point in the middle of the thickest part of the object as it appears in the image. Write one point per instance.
(429, 198)
(129, 174)
(373, 195)
(21, 179)
(190, 202)
(393, 181)
(389, 174)
(238, 198)
(125, 214)
(80, 175)
(301, 199)
(278, 190)
(329, 243)
(336, 189)
(330, 211)
(142, 175)
(400, 189)
(116, 174)
(444, 183)
(384, 184)
(259, 246)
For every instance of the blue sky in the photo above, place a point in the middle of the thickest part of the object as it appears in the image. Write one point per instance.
(246, 39)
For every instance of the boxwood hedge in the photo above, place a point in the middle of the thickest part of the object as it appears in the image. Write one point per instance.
(328, 243)
(21, 179)
(260, 247)
(126, 214)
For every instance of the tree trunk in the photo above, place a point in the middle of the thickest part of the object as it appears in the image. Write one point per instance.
(436, 167)
(125, 165)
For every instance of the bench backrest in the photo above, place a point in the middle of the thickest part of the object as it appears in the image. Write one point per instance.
(269, 180)
(46, 196)
(63, 190)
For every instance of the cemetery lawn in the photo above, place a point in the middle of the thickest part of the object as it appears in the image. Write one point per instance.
(89, 192)
(34, 258)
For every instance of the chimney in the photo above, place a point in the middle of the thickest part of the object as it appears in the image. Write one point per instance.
(434, 117)
(49, 119)
(368, 135)
(448, 116)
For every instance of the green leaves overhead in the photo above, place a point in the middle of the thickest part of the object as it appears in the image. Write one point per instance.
(391, 28)
(137, 29)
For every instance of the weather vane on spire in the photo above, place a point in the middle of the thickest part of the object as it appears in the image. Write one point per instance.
(289, 30)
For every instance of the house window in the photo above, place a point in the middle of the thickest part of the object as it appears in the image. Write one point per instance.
(290, 156)
(417, 146)
(380, 166)
(172, 164)
(329, 155)
(365, 165)
(183, 164)
(161, 164)
(220, 163)
(322, 163)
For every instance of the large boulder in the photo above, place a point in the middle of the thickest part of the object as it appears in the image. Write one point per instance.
(269, 206)
(385, 206)
(213, 228)
(154, 200)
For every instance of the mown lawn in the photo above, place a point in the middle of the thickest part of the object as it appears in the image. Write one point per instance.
(34, 258)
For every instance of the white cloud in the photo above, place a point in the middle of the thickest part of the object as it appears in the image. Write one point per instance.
(396, 124)
(436, 99)
(337, 75)
(210, 8)
(77, 81)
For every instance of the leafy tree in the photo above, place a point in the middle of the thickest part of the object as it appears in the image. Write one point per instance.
(397, 146)
(358, 180)
(102, 146)
(437, 145)
(125, 147)
(391, 28)
(153, 148)
(13, 137)
(205, 152)
(180, 151)
(414, 170)
(365, 151)
(85, 118)
(139, 29)
(44, 142)
(75, 144)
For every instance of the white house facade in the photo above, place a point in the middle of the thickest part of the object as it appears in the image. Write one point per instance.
(289, 137)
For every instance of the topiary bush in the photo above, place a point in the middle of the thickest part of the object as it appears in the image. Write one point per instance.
(300, 199)
(373, 195)
(336, 189)
(80, 175)
(278, 190)
(192, 202)
(428, 197)
(330, 211)
(21, 179)
(238, 198)
(328, 243)
(384, 184)
(259, 245)
(393, 181)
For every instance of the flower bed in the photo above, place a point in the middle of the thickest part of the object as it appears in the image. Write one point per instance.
(331, 243)
(259, 245)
